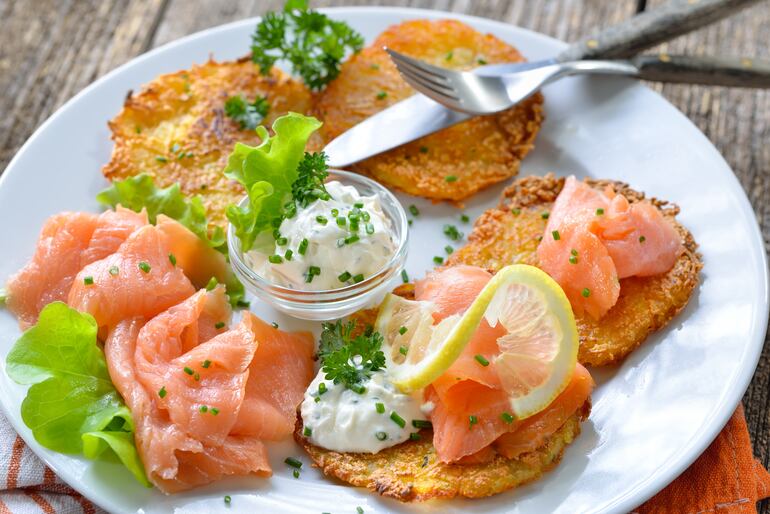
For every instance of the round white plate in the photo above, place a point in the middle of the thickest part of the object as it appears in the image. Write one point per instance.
(652, 416)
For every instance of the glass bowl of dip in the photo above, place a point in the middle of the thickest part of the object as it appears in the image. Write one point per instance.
(328, 304)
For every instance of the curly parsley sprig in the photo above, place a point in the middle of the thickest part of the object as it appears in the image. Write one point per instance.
(311, 174)
(347, 359)
(314, 44)
(247, 115)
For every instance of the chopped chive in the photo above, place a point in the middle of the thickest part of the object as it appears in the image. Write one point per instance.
(162, 392)
(281, 241)
(206, 364)
(381, 95)
(288, 255)
(545, 215)
(314, 270)
(375, 66)
(365, 216)
(450, 178)
(464, 218)
(404, 276)
(219, 324)
(322, 220)
(448, 249)
(307, 431)
(449, 55)
(187, 370)
(244, 304)
(573, 252)
(422, 423)
(409, 222)
(642, 239)
(403, 350)
(275, 259)
(309, 277)
(172, 259)
(317, 399)
(481, 359)
(414, 436)
(381, 436)
(228, 499)
(274, 325)
(344, 277)
(402, 330)
(599, 211)
(144, 267)
(357, 388)
(423, 149)
(89, 280)
(335, 213)
(358, 278)
(114, 270)
(413, 209)
(472, 420)
(359, 510)
(573, 259)
(203, 408)
(516, 211)
(138, 129)
(294, 463)
(295, 473)
(212, 283)
(555, 235)
(438, 259)
(196, 376)
(379, 407)
(302, 247)
(161, 159)
(352, 239)
(452, 233)
(341, 220)
(369, 228)
(505, 416)
(481, 61)
(398, 420)
(214, 411)
(322, 388)
(358, 205)
(586, 292)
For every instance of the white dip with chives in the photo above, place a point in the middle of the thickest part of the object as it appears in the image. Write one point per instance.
(329, 244)
(336, 418)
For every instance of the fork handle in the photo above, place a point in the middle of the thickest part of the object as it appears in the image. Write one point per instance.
(712, 71)
(650, 28)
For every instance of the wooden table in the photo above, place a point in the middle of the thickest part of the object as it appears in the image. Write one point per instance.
(51, 49)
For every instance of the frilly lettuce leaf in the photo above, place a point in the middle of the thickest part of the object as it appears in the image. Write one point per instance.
(72, 406)
(267, 172)
(140, 192)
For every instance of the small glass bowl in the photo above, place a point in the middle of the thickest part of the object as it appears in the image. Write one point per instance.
(331, 303)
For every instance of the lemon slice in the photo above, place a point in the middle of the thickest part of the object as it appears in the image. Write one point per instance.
(537, 355)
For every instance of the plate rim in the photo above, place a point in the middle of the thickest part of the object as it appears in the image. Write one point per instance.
(734, 390)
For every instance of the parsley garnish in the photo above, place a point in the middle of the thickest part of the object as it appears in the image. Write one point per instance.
(313, 43)
(247, 115)
(311, 173)
(347, 359)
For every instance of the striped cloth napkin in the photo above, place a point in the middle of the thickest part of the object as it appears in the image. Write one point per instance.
(726, 479)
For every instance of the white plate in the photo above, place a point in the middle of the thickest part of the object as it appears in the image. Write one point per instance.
(652, 416)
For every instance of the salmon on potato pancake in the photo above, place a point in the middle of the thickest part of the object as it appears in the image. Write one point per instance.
(456, 162)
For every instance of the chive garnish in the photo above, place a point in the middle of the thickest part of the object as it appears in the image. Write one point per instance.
(196, 376)
(414, 436)
(212, 283)
(404, 276)
(448, 249)
(322, 388)
(379, 407)
(358, 278)
(413, 209)
(381, 436)
(573, 252)
(161, 159)
(464, 218)
(314, 270)
(422, 423)
(187, 370)
(352, 239)
(402, 330)
(302, 247)
(344, 277)
(545, 215)
(162, 392)
(451, 178)
(359, 510)
(357, 388)
(322, 220)
(274, 325)
(281, 241)
(114, 270)
(335, 213)
(381, 95)
(642, 239)
(369, 228)
(398, 420)
(295, 473)
(438, 259)
(307, 431)
(341, 220)
(403, 350)
(506, 417)
(89, 280)
(481, 61)
(573, 259)
(452, 233)
(275, 259)
(144, 267)
(219, 324)
(288, 255)
(227, 499)
(481, 359)
(555, 235)
(516, 211)
(206, 364)
(472, 420)
(294, 463)
(203, 408)
(214, 411)
(599, 211)
(586, 292)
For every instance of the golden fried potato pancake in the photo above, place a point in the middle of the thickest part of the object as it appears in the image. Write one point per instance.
(176, 129)
(477, 153)
(410, 471)
(511, 233)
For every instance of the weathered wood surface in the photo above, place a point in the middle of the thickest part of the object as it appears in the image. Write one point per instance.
(51, 49)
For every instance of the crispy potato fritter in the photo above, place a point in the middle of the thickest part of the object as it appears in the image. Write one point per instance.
(176, 129)
(453, 163)
(510, 234)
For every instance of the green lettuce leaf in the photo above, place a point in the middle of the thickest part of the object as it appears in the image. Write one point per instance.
(72, 406)
(140, 192)
(267, 172)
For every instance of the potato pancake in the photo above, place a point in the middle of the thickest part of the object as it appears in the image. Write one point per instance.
(510, 234)
(176, 129)
(451, 164)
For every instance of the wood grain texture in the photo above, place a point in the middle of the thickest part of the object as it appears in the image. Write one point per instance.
(51, 49)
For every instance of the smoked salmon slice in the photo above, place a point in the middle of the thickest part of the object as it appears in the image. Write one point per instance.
(68, 242)
(278, 376)
(139, 279)
(595, 238)
(185, 403)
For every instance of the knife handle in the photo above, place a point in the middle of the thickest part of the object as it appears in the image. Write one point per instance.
(653, 27)
(711, 71)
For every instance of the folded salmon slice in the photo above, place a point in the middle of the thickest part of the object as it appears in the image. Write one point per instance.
(278, 376)
(138, 279)
(467, 389)
(185, 402)
(595, 238)
(68, 242)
